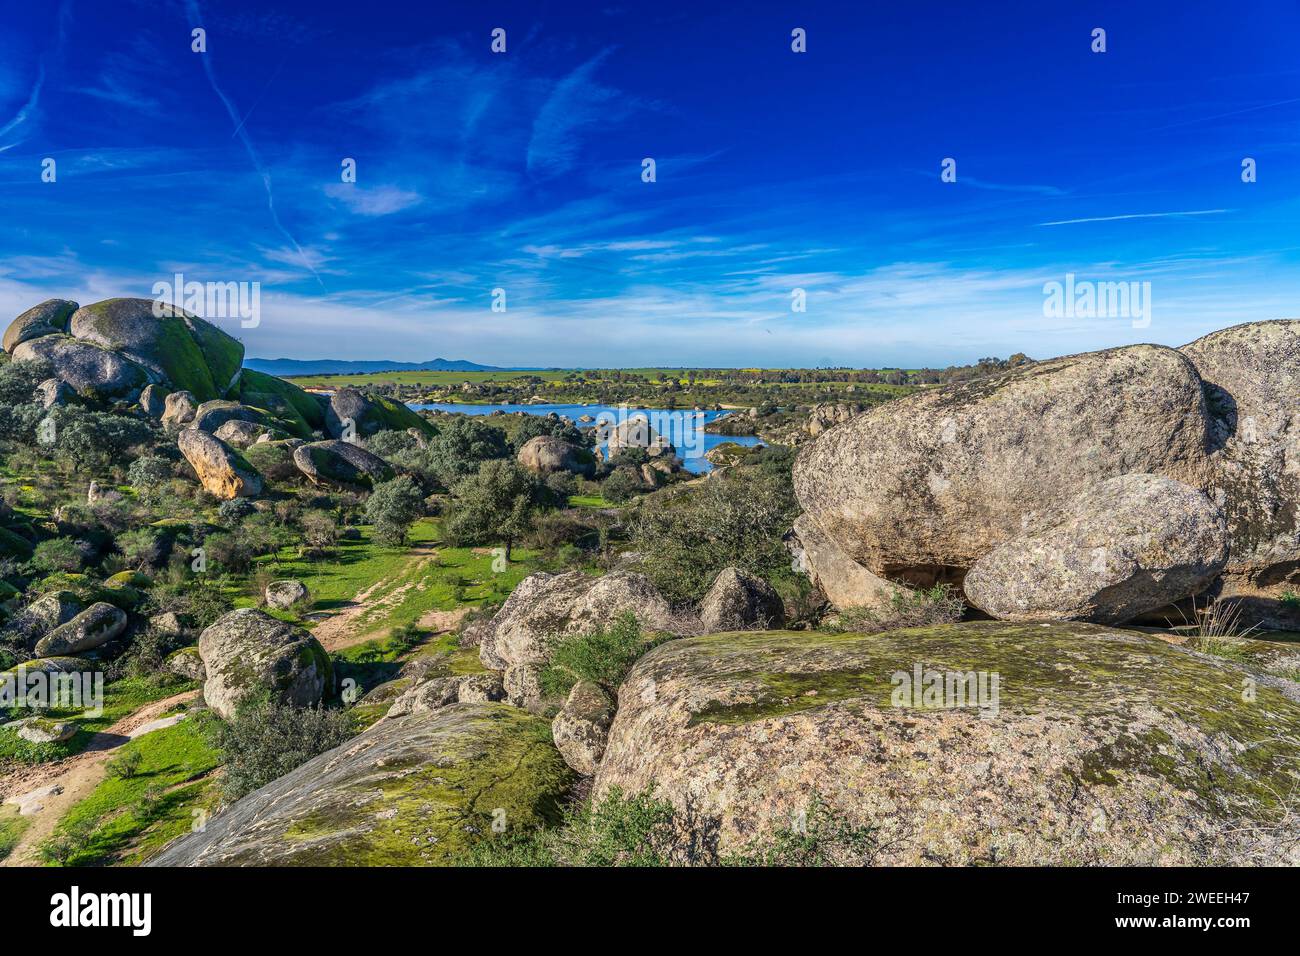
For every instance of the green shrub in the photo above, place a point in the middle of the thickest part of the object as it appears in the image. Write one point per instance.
(264, 741)
(57, 554)
(618, 831)
(603, 656)
(392, 507)
(623, 484)
(919, 608)
(726, 522)
(126, 766)
(642, 830)
(66, 842)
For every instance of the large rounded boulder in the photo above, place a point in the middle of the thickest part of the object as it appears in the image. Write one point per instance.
(223, 472)
(419, 790)
(90, 370)
(248, 653)
(1252, 385)
(547, 454)
(92, 628)
(48, 318)
(738, 600)
(921, 487)
(341, 464)
(351, 414)
(299, 411)
(545, 605)
(842, 581)
(1124, 547)
(965, 744)
(178, 349)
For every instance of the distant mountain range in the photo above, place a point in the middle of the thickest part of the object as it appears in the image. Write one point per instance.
(283, 367)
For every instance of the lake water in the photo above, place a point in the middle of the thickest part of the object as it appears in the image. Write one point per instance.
(684, 428)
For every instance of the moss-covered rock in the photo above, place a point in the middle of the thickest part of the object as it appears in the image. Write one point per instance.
(92, 628)
(284, 399)
(369, 414)
(95, 372)
(47, 318)
(412, 791)
(223, 471)
(180, 350)
(247, 653)
(14, 545)
(1096, 745)
(186, 662)
(341, 464)
(128, 579)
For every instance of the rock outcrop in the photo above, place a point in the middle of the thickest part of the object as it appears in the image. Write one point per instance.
(1252, 380)
(368, 414)
(93, 372)
(223, 472)
(1124, 547)
(212, 414)
(841, 580)
(153, 401)
(737, 601)
(179, 409)
(438, 692)
(48, 318)
(419, 790)
(826, 415)
(240, 434)
(634, 432)
(247, 652)
(544, 605)
(546, 454)
(187, 663)
(52, 392)
(92, 628)
(581, 728)
(285, 594)
(1094, 746)
(920, 488)
(341, 464)
(177, 349)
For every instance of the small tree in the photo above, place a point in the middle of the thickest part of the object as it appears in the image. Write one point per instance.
(497, 504)
(148, 474)
(392, 507)
(319, 531)
(461, 445)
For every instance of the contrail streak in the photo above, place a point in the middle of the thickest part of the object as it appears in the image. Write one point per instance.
(192, 7)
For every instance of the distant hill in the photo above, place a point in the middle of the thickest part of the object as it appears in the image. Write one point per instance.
(283, 367)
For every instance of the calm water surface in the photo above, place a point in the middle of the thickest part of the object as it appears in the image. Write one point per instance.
(684, 428)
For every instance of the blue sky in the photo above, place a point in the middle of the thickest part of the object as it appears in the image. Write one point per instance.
(775, 171)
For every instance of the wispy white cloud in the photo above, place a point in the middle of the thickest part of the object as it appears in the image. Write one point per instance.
(27, 110)
(196, 19)
(373, 200)
(577, 101)
(1137, 215)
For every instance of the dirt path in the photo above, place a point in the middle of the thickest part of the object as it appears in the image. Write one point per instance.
(45, 792)
(348, 627)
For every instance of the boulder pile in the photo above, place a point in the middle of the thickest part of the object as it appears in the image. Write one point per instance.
(1005, 479)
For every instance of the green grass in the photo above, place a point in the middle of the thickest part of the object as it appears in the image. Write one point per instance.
(11, 828)
(406, 585)
(589, 501)
(130, 819)
(121, 698)
(417, 378)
